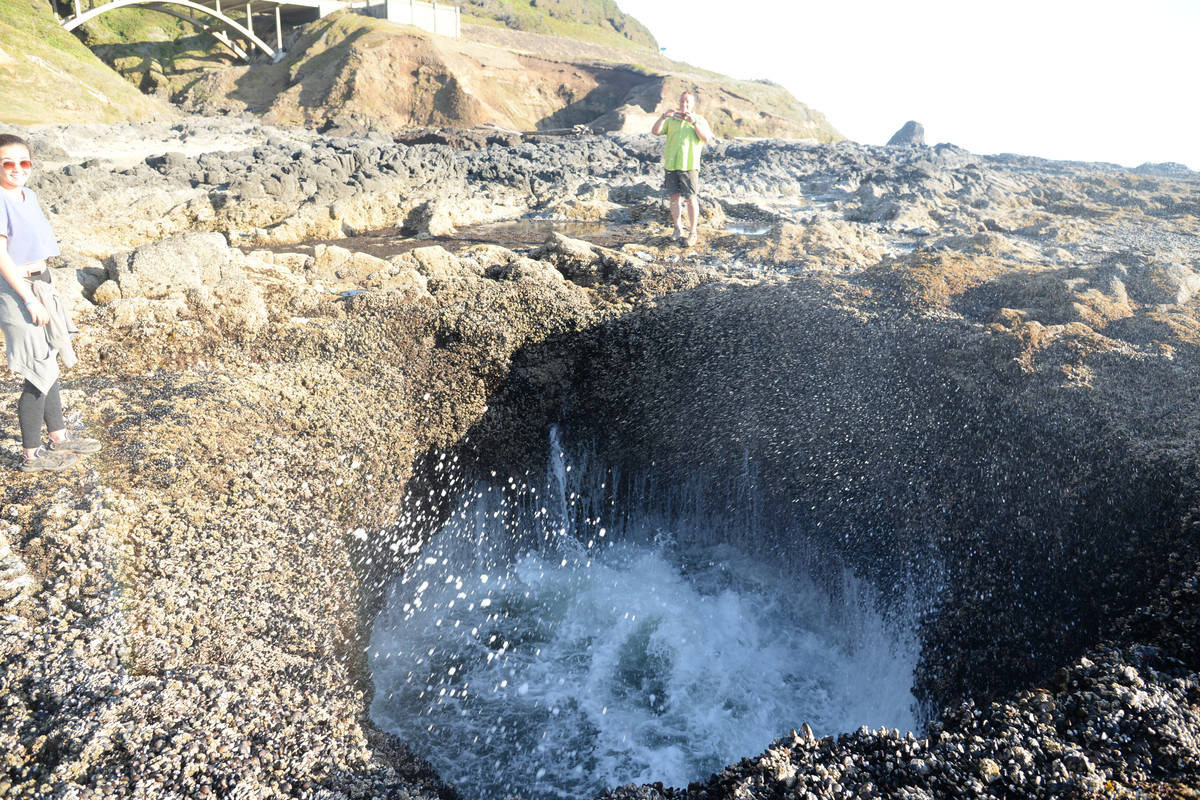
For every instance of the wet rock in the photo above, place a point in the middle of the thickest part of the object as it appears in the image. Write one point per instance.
(582, 262)
(950, 355)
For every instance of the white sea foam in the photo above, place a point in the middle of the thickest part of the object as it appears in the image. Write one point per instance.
(522, 657)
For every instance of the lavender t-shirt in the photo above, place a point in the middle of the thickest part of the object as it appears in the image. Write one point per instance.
(29, 236)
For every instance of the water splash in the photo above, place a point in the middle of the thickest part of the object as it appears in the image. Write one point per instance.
(532, 651)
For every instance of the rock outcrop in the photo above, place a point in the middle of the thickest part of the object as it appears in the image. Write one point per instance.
(911, 134)
(986, 361)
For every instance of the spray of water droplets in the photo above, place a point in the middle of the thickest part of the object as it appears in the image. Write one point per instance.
(526, 653)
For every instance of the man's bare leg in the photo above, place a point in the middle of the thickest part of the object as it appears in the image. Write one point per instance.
(693, 207)
(676, 212)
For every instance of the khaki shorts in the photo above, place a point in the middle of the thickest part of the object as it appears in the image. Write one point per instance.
(685, 183)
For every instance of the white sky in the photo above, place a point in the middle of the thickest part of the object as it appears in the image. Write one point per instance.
(1087, 80)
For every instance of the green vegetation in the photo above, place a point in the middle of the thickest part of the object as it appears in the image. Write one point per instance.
(343, 25)
(150, 48)
(595, 21)
(166, 57)
(33, 93)
(328, 41)
(159, 53)
(134, 26)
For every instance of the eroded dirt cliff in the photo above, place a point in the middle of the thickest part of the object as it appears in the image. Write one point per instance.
(365, 74)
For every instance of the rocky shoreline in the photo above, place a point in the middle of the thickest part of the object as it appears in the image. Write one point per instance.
(186, 613)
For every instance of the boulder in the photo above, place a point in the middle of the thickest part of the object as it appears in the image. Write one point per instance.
(70, 289)
(106, 292)
(893, 213)
(435, 218)
(438, 263)
(912, 134)
(633, 194)
(582, 262)
(1158, 279)
(526, 269)
(821, 243)
(406, 281)
(143, 312)
(293, 262)
(240, 305)
(167, 267)
(236, 302)
(328, 257)
(629, 118)
(73, 268)
(331, 262)
(488, 255)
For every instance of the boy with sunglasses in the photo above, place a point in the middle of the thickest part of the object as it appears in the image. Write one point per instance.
(37, 329)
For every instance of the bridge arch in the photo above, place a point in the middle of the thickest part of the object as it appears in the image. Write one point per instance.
(224, 22)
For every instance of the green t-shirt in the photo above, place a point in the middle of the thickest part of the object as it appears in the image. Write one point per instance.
(683, 147)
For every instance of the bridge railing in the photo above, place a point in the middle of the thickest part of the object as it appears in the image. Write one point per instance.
(237, 23)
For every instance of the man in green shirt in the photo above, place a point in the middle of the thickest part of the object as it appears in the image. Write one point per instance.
(686, 134)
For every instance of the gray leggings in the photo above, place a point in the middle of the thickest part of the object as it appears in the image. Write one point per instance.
(34, 408)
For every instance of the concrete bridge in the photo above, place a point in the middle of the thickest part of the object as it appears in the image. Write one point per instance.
(233, 23)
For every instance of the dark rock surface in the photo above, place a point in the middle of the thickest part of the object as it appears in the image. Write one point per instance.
(980, 367)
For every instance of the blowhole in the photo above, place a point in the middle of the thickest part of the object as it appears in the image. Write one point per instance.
(562, 636)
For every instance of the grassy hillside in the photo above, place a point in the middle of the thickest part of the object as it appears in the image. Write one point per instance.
(125, 36)
(734, 107)
(35, 52)
(597, 21)
(393, 74)
(154, 51)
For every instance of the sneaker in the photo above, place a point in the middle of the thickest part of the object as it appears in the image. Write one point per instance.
(74, 444)
(693, 237)
(45, 461)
